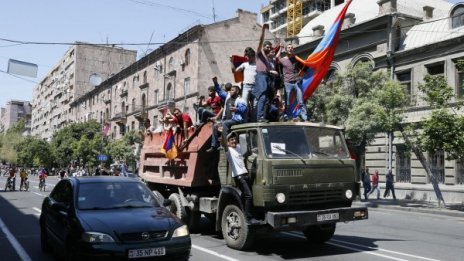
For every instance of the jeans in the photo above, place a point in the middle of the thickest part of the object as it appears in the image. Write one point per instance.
(375, 188)
(249, 98)
(204, 114)
(261, 92)
(289, 87)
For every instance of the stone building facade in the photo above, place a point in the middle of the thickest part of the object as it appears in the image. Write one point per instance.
(173, 75)
(69, 80)
(409, 39)
(13, 112)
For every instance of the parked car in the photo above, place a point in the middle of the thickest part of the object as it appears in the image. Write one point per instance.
(110, 217)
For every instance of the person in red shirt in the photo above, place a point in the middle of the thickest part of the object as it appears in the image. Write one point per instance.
(375, 184)
(214, 102)
(182, 122)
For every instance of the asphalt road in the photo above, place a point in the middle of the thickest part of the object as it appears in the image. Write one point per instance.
(387, 235)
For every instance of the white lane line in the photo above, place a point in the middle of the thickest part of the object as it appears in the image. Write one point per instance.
(362, 248)
(19, 249)
(386, 250)
(39, 194)
(214, 253)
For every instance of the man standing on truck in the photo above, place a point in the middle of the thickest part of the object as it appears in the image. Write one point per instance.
(239, 172)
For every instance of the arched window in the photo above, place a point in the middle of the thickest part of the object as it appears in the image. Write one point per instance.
(144, 101)
(171, 64)
(168, 92)
(144, 77)
(134, 81)
(330, 76)
(133, 104)
(123, 106)
(187, 57)
(457, 16)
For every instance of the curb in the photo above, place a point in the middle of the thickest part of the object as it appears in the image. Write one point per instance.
(412, 206)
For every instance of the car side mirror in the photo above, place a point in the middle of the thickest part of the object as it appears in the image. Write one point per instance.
(167, 202)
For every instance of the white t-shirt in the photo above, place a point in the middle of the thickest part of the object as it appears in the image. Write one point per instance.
(236, 161)
(249, 72)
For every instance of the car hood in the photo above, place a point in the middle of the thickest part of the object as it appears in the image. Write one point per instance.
(128, 220)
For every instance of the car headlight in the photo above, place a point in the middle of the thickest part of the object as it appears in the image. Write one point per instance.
(96, 237)
(348, 193)
(280, 197)
(181, 231)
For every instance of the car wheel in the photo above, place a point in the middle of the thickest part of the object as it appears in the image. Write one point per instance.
(44, 244)
(176, 207)
(320, 233)
(235, 230)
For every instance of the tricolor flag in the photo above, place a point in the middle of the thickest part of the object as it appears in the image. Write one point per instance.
(317, 64)
(237, 60)
(169, 147)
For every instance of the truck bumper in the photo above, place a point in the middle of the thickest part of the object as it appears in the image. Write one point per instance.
(295, 219)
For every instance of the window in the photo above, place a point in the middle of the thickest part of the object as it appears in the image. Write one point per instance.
(134, 81)
(168, 92)
(171, 64)
(330, 76)
(133, 104)
(460, 172)
(457, 17)
(403, 164)
(156, 97)
(144, 77)
(187, 57)
(405, 81)
(63, 193)
(186, 86)
(460, 78)
(144, 101)
(133, 125)
(436, 69)
(437, 165)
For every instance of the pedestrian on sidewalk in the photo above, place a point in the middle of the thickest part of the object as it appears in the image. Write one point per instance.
(366, 180)
(389, 185)
(375, 184)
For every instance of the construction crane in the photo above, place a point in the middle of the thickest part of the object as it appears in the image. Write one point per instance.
(294, 17)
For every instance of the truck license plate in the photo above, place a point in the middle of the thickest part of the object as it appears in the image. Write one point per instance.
(328, 216)
(146, 252)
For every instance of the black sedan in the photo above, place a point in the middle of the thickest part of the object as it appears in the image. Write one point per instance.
(110, 218)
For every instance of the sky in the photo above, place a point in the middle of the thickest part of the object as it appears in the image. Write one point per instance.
(56, 24)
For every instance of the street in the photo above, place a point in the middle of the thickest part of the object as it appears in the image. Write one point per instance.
(386, 235)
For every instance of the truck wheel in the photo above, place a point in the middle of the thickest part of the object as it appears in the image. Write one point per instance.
(320, 233)
(235, 229)
(176, 207)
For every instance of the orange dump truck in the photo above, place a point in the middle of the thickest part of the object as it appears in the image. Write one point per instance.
(303, 179)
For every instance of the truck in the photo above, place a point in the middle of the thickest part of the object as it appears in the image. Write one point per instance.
(303, 179)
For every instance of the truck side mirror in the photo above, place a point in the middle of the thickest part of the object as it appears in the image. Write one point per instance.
(243, 139)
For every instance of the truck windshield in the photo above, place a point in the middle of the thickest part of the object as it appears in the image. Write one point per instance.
(304, 142)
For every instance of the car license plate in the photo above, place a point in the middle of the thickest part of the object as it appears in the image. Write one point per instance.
(328, 216)
(146, 252)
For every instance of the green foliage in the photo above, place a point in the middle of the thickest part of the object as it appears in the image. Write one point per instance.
(10, 141)
(79, 142)
(34, 152)
(437, 91)
(123, 149)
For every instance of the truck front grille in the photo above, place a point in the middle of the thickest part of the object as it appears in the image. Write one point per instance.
(314, 196)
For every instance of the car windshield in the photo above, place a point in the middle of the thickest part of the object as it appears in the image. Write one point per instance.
(304, 142)
(110, 195)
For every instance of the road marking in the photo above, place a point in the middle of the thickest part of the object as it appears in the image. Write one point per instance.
(361, 248)
(39, 194)
(214, 253)
(19, 249)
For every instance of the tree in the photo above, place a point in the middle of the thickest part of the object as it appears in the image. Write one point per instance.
(123, 149)
(34, 152)
(362, 101)
(9, 142)
(78, 142)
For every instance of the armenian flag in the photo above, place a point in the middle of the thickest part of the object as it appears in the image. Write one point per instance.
(317, 64)
(169, 147)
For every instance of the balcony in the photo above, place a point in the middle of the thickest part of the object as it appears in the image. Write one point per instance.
(107, 100)
(123, 93)
(140, 112)
(120, 118)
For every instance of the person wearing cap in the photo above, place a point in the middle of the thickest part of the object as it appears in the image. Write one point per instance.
(239, 172)
(234, 110)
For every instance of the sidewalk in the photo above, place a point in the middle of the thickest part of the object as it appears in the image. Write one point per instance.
(430, 207)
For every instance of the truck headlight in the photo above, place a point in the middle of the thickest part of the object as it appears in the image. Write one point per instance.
(348, 194)
(280, 197)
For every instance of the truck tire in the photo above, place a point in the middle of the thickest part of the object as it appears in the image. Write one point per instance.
(320, 233)
(176, 207)
(235, 230)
